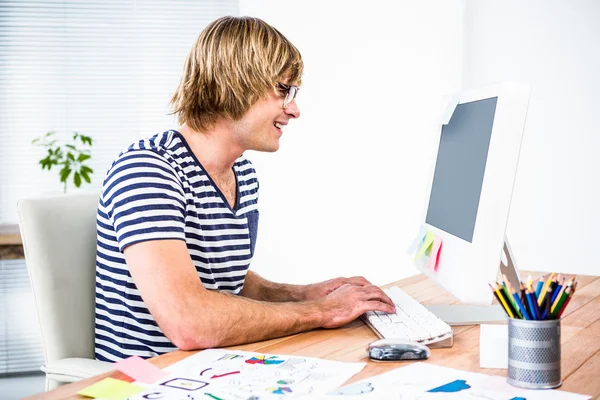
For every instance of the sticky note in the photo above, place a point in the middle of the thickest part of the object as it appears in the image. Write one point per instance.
(140, 369)
(418, 240)
(110, 389)
(429, 237)
(434, 257)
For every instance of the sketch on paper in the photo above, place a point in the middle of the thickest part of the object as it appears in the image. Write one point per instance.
(226, 374)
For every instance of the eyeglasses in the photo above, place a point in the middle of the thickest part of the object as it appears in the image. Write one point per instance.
(290, 93)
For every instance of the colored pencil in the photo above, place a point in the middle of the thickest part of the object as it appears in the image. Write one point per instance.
(500, 298)
(546, 304)
(509, 300)
(509, 294)
(531, 300)
(560, 302)
(528, 284)
(542, 295)
(559, 297)
(559, 290)
(538, 288)
(521, 306)
(564, 306)
(522, 293)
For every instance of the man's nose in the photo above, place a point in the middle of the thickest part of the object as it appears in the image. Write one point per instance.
(292, 109)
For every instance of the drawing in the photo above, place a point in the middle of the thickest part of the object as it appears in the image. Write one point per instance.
(185, 384)
(225, 374)
(217, 374)
(154, 396)
(265, 360)
(280, 390)
(357, 388)
(294, 363)
(230, 357)
(455, 386)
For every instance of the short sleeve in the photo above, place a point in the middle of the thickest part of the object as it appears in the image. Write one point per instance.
(144, 199)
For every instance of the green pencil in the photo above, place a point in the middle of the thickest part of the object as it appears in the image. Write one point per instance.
(510, 301)
(558, 306)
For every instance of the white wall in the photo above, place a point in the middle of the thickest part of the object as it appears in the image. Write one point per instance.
(345, 193)
(553, 45)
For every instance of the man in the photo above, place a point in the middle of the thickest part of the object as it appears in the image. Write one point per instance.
(178, 217)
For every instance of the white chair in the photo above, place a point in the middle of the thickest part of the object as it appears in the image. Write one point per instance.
(59, 239)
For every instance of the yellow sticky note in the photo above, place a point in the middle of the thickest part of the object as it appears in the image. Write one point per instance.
(110, 389)
(429, 237)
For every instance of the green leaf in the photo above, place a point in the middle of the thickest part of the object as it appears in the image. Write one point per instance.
(77, 179)
(70, 156)
(86, 139)
(86, 169)
(64, 173)
(34, 141)
(71, 147)
(85, 176)
(82, 157)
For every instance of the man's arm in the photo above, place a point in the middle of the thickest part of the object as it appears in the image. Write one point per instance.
(258, 288)
(195, 318)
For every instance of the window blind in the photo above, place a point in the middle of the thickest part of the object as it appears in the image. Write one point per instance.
(104, 68)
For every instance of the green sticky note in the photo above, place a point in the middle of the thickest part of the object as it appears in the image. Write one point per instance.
(427, 242)
(110, 389)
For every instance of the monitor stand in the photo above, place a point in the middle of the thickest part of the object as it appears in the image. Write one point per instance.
(464, 314)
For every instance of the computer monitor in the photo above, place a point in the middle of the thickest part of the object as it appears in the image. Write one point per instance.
(471, 187)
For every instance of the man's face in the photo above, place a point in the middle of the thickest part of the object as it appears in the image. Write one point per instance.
(263, 124)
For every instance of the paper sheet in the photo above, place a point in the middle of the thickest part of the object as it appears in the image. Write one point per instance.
(493, 346)
(229, 374)
(427, 381)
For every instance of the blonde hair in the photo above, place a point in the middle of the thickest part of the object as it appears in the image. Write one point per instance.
(234, 62)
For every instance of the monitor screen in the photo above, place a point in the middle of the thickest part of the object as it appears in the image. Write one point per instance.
(459, 168)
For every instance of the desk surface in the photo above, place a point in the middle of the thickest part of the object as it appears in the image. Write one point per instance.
(580, 335)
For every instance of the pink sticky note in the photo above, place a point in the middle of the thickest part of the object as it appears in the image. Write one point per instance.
(434, 257)
(140, 369)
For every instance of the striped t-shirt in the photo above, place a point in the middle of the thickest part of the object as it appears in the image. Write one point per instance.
(157, 189)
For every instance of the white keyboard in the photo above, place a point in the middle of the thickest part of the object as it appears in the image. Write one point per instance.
(412, 321)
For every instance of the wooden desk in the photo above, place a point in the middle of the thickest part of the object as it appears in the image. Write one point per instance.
(11, 247)
(580, 343)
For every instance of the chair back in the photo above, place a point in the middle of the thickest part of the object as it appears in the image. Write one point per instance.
(59, 239)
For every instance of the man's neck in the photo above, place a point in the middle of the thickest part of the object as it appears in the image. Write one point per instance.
(215, 149)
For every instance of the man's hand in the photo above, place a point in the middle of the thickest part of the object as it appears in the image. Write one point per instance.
(349, 301)
(319, 290)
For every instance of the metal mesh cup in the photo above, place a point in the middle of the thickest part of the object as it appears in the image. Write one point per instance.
(534, 353)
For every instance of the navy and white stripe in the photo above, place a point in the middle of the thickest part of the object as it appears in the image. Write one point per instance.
(157, 189)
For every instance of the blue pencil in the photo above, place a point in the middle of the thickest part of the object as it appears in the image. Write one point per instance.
(538, 289)
(521, 306)
(535, 311)
(557, 290)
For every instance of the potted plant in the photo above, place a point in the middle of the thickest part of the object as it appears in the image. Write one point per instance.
(70, 157)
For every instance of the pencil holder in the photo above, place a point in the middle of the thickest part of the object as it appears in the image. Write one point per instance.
(534, 353)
